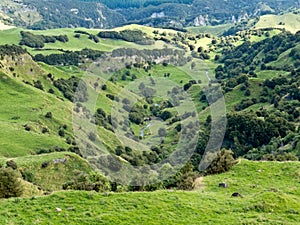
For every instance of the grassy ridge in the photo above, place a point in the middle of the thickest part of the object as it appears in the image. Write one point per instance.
(13, 36)
(270, 196)
(214, 30)
(53, 176)
(290, 22)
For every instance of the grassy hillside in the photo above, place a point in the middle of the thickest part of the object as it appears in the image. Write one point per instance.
(14, 12)
(52, 177)
(270, 193)
(214, 30)
(13, 36)
(289, 22)
(30, 90)
(31, 104)
(27, 106)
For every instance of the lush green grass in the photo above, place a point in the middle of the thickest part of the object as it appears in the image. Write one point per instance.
(291, 22)
(29, 104)
(58, 174)
(23, 104)
(214, 30)
(270, 190)
(270, 193)
(26, 105)
(12, 36)
(55, 175)
(269, 74)
(145, 29)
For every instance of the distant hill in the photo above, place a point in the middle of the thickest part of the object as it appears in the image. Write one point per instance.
(37, 14)
(289, 22)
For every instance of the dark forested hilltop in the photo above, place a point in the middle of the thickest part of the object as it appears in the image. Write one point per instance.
(136, 3)
(164, 13)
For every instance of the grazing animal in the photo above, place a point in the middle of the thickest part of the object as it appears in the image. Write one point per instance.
(223, 185)
(236, 194)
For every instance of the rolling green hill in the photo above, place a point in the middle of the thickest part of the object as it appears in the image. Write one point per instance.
(52, 177)
(25, 106)
(270, 193)
(138, 76)
(30, 81)
(289, 22)
(13, 36)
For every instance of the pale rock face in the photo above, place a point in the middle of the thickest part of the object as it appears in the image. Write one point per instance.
(233, 19)
(201, 21)
(101, 14)
(242, 17)
(75, 11)
(158, 15)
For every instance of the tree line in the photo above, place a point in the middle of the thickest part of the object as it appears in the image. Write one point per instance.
(136, 36)
(69, 57)
(38, 41)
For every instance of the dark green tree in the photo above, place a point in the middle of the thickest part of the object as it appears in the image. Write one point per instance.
(10, 185)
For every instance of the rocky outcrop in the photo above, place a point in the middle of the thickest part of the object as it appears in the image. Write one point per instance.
(201, 21)
(158, 15)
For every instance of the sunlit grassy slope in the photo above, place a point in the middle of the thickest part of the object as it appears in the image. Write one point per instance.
(290, 22)
(270, 193)
(13, 36)
(53, 176)
(24, 105)
(214, 30)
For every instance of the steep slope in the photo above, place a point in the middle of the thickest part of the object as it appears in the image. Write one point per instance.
(25, 102)
(54, 14)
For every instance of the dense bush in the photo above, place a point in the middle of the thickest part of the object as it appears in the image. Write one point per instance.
(69, 57)
(88, 182)
(10, 186)
(66, 17)
(183, 179)
(38, 41)
(221, 163)
(49, 115)
(38, 84)
(11, 50)
(246, 131)
(28, 176)
(127, 35)
(243, 59)
(70, 87)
